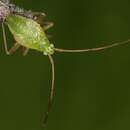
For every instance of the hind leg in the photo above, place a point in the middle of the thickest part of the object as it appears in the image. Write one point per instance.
(17, 46)
(5, 39)
(25, 51)
(14, 48)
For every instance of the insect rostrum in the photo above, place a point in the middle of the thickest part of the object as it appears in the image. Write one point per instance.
(29, 33)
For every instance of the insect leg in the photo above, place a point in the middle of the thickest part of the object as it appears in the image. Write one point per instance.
(39, 18)
(25, 51)
(93, 49)
(51, 92)
(38, 14)
(5, 39)
(48, 25)
(32, 15)
(14, 48)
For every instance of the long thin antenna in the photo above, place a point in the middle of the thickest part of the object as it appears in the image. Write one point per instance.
(51, 92)
(93, 49)
(5, 40)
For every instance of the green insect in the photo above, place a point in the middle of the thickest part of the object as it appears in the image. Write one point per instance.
(30, 33)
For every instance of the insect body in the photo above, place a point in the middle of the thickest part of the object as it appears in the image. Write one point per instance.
(30, 33)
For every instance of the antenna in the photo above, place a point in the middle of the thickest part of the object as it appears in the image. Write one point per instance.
(93, 49)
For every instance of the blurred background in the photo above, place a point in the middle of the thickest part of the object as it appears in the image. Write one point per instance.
(92, 89)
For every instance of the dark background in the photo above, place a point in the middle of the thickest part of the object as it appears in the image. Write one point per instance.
(92, 89)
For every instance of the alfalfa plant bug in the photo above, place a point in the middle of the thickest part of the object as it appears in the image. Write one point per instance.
(29, 33)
